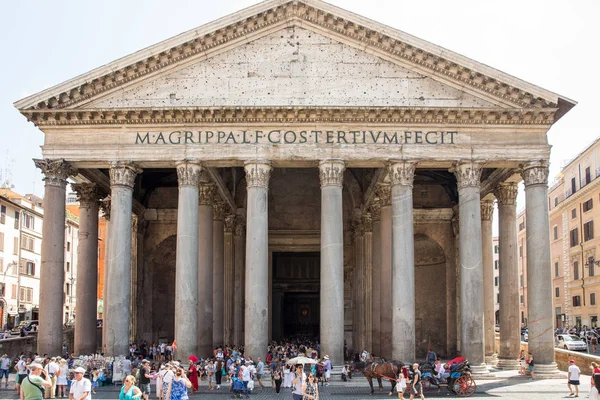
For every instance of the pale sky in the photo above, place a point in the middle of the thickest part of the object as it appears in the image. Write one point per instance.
(553, 44)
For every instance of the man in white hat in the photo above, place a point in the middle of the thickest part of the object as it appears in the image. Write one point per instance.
(51, 368)
(80, 387)
(33, 384)
(327, 364)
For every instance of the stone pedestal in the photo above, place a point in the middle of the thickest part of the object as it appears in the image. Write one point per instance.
(539, 274)
(87, 269)
(471, 270)
(218, 274)
(385, 197)
(186, 264)
(52, 269)
(487, 246)
(117, 303)
(376, 281)
(401, 175)
(331, 173)
(510, 327)
(205, 268)
(228, 272)
(256, 309)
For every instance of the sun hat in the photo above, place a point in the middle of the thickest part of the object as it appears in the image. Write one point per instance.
(80, 370)
(35, 365)
(571, 361)
(326, 357)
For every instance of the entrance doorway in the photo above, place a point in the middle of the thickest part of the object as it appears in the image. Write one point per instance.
(296, 291)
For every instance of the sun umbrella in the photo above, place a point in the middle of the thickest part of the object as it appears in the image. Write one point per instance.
(301, 360)
(194, 359)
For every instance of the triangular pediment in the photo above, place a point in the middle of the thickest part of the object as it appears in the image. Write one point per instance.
(291, 52)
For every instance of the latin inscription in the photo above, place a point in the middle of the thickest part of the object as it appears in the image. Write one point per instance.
(289, 137)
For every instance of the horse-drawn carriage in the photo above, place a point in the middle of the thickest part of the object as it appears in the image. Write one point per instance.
(459, 381)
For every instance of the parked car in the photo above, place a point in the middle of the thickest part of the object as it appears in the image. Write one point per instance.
(26, 325)
(570, 342)
(525, 334)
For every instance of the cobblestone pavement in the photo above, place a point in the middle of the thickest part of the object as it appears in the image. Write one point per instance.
(511, 388)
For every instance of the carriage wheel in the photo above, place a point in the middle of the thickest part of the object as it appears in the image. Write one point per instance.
(465, 386)
(426, 384)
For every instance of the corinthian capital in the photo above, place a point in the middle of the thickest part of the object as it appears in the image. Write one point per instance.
(229, 223)
(87, 194)
(105, 207)
(331, 172)
(206, 194)
(56, 171)
(384, 192)
(188, 173)
(487, 210)
(402, 172)
(506, 193)
(123, 173)
(468, 174)
(258, 173)
(220, 208)
(376, 209)
(535, 173)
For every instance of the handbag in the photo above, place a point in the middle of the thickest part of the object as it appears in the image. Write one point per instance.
(223, 372)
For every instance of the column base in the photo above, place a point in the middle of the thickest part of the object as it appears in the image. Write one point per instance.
(508, 364)
(481, 371)
(548, 371)
(491, 359)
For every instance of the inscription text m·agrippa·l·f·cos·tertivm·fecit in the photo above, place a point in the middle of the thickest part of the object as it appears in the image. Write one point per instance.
(282, 136)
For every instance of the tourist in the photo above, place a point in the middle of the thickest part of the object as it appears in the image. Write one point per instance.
(430, 357)
(522, 359)
(32, 384)
(594, 394)
(259, 371)
(4, 369)
(531, 363)
(61, 381)
(273, 365)
(246, 372)
(417, 387)
(277, 378)
(594, 342)
(298, 382)
(21, 368)
(401, 382)
(327, 370)
(145, 376)
(220, 371)
(129, 391)
(310, 389)
(287, 376)
(177, 389)
(573, 378)
(193, 375)
(166, 377)
(210, 373)
(80, 387)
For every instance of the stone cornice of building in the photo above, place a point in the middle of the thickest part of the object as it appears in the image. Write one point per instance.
(293, 114)
(584, 191)
(247, 25)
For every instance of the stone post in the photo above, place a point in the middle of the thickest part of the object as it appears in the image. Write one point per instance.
(105, 207)
(52, 269)
(331, 174)
(218, 273)
(385, 197)
(256, 309)
(228, 289)
(186, 263)
(468, 175)
(487, 214)
(239, 240)
(510, 326)
(376, 280)
(539, 271)
(368, 281)
(401, 174)
(205, 267)
(87, 269)
(122, 178)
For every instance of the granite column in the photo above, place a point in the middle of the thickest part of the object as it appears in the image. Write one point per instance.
(205, 267)
(239, 240)
(218, 273)
(487, 248)
(228, 278)
(376, 280)
(385, 197)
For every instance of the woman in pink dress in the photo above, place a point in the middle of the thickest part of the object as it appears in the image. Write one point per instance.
(193, 375)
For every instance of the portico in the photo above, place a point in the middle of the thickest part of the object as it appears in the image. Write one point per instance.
(359, 143)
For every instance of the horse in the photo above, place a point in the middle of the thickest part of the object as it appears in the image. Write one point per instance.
(379, 369)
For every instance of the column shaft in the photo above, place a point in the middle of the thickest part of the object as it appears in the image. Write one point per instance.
(403, 261)
(239, 240)
(105, 206)
(87, 269)
(218, 275)
(376, 281)
(332, 261)
(205, 270)
(52, 270)
(117, 323)
(471, 270)
(229, 283)
(385, 194)
(368, 281)
(510, 332)
(186, 262)
(487, 212)
(256, 309)
(539, 273)
(359, 286)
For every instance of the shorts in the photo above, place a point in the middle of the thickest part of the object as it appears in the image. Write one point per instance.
(145, 388)
(531, 368)
(3, 373)
(258, 376)
(418, 388)
(20, 378)
(576, 383)
(327, 374)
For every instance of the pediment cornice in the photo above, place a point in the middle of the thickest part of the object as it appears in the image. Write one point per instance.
(250, 115)
(394, 45)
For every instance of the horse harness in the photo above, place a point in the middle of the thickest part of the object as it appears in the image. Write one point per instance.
(374, 367)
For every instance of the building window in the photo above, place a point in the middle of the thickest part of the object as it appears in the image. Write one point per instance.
(521, 280)
(16, 246)
(555, 231)
(69, 229)
(556, 274)
(17, 219)
(496, 281)
(496, 249)
(576, 301)
(28, 221)
(496, 262)
(27, 268)
(28, 243)
(574, 213)
(573, 186)
(588, 205)
(521, 251)
(68, 292)
(25, 294)
(574, 237)
(590, 265)
(521, 226)
(68, 266)
(2, 214)
(497, 297)
(555, 201)
(522, 299)
(576, 270)
(592, 299)
(588, 175)
(68, 246)
(2, 241)
(556, 292)
(588, 231)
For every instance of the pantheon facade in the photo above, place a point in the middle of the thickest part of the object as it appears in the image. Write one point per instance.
(297, 169)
